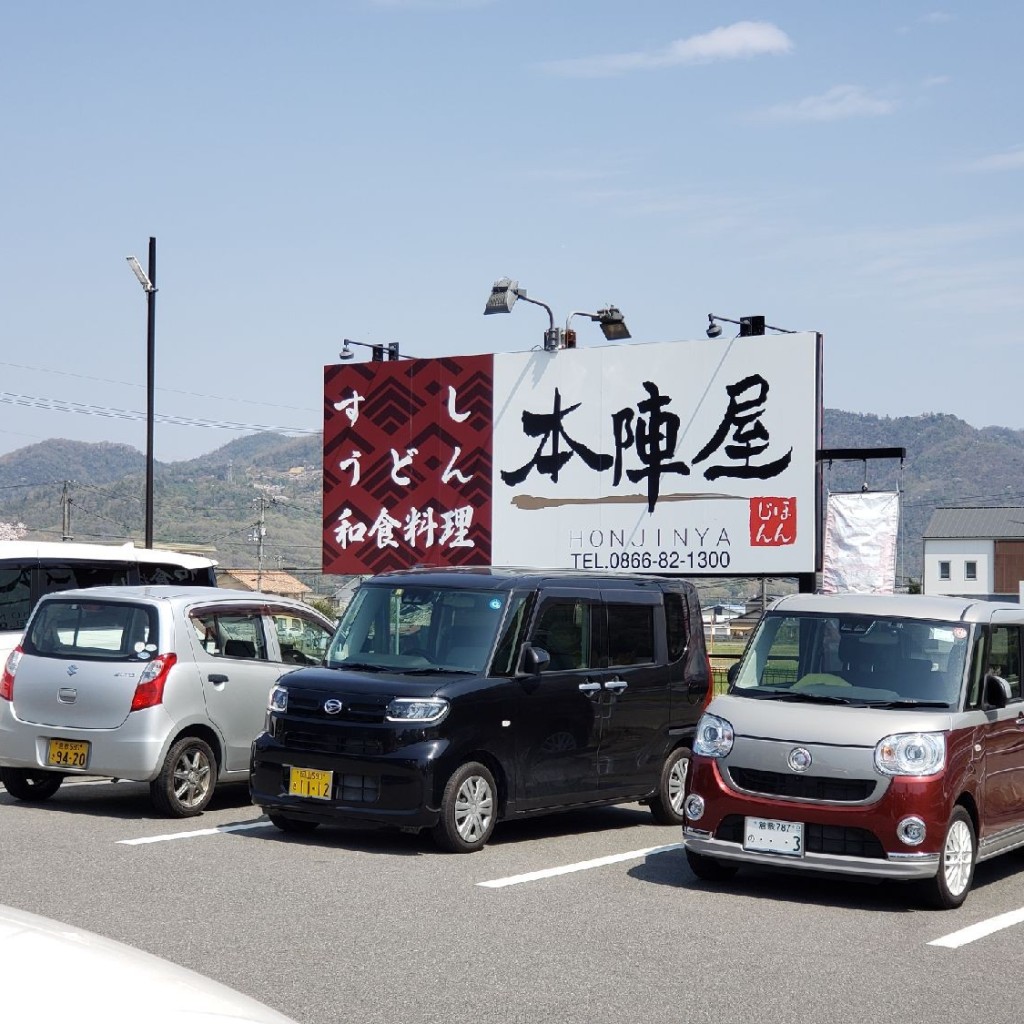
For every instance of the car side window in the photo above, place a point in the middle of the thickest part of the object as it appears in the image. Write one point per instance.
(630, 634)
(675, 626)
(1004, 657)
(302, 640)
(563, 630)
(231, 634)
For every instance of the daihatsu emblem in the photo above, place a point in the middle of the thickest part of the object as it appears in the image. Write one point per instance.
(799, 759)
(72, 669)
(333, 706)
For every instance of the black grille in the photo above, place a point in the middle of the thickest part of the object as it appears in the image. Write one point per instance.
(326, 740)
(806, 787)
(310, 704)
(838, 839)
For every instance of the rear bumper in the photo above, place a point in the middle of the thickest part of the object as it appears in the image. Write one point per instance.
(134, 751)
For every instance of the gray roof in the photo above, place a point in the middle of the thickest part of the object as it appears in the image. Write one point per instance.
(976, 522)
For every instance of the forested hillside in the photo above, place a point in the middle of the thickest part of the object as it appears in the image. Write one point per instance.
(219, 498)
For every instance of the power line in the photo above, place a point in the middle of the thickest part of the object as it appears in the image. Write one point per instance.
(59, 405)
(135, 384)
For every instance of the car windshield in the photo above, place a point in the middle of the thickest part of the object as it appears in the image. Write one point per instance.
(407, 628)
(852, 659)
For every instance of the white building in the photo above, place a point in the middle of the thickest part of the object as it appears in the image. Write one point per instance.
(975, 552)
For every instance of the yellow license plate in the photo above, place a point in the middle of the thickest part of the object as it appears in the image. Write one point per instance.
(310, 783)
(68, 754)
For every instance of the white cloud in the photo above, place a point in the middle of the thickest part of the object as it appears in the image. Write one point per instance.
(936, 18)
(1011, 160)
(840, 102)
(733, 42)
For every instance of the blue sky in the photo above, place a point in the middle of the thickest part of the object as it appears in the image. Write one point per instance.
(367, 168)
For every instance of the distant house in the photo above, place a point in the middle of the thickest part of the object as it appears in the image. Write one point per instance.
(975, 552)
(275, 582)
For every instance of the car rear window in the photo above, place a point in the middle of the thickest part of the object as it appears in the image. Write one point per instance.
(99, 630)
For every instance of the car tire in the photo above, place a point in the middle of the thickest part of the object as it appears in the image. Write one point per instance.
(959, 854)
(469, 810)
(296, 825)
(30, 786)
(667, 804)
(187, 779)
(707, 869)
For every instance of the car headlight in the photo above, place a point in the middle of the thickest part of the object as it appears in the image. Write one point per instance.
(278, 700)
(714, 736)
(423, 711)
(911, 753)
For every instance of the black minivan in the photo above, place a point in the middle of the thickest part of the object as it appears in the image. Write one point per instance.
(451, 699)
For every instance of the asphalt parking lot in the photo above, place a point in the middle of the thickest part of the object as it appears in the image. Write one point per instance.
(585, 917)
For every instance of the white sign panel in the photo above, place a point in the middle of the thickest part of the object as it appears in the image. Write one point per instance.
(679, 457)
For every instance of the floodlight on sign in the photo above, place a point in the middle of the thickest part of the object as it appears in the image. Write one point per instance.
(613, 325)
(504, 293)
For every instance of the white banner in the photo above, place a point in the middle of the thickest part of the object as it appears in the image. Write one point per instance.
(860, 543)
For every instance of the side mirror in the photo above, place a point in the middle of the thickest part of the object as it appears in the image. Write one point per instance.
(734, 671)
(997, 691)
(533, 660)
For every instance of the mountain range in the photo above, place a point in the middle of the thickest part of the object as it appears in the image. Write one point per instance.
(269, 485)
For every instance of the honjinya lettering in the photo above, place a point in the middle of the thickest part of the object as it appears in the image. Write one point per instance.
(548, 427)
(654, 441)
(651, 433)
(749, 434)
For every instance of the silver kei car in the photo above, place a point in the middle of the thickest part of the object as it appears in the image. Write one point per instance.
(163, 684)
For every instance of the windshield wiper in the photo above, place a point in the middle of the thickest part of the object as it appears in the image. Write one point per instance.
(906, 703)
(359, 666)
(810, 698)
(436, 670)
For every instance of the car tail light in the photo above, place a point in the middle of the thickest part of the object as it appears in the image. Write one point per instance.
(150, 690)
(7, 682)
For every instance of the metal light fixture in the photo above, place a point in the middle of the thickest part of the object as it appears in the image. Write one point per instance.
(613, 325)
(148, 282)
(377, 352)
(750, 326)
(505, 292)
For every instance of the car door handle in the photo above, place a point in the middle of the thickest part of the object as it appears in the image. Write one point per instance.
(616, 685)
(217, 677)
(590, 687)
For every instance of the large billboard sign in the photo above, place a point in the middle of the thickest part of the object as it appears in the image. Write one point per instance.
(696, 458)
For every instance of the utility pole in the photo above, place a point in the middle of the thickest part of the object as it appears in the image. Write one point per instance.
(65, 512)
(259, 532)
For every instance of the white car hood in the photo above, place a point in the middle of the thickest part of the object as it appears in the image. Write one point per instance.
(54, 971)
(833, 724)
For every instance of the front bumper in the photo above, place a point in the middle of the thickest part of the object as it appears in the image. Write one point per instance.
(852, 840)
(391, 790)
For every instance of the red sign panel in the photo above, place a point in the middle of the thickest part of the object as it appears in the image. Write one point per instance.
(407, 464)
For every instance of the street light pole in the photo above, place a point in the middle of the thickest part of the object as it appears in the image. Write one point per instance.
(148, 282)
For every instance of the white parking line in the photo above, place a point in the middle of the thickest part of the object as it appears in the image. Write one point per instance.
(191, 835)
(978, 931)
(583, 865)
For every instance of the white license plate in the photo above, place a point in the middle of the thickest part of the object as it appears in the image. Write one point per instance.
(766, 835)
